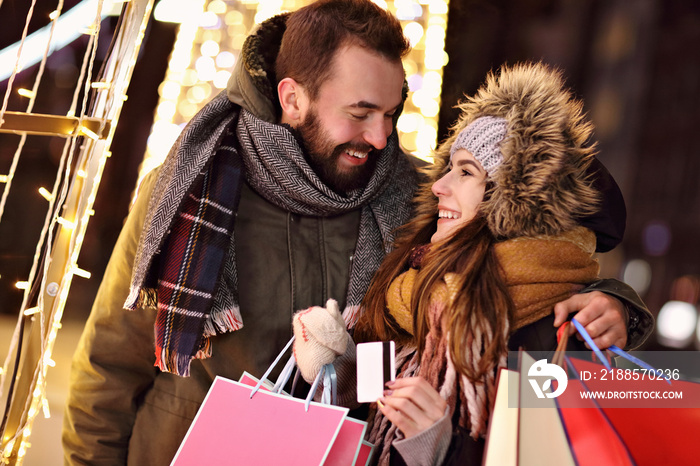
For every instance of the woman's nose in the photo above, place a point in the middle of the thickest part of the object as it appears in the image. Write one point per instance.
(440, 187)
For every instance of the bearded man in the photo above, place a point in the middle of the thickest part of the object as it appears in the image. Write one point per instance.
(280, 193)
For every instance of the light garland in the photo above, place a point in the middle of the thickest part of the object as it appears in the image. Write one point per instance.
(75, 201)
(210, 39)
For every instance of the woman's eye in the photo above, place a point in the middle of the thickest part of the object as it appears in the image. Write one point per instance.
(466, 173)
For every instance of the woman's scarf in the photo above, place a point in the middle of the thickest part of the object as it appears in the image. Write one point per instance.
(539, 273)
(185, 263)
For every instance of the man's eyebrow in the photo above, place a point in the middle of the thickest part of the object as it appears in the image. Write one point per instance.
(370, 105)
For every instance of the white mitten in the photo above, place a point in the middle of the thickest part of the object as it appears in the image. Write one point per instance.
(320, 337)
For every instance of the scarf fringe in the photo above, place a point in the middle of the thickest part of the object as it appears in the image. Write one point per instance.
(224, 321)
(141, 298)
(350, 316)
(178, 364)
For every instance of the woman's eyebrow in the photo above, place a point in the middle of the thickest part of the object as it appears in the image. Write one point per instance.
(470, 162)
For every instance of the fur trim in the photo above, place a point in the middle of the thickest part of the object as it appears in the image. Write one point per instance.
(541, 186)
(259, 53)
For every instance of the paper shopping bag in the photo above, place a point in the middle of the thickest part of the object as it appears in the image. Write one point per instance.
(654, 412)
(520, 432)
(550, 428)
(365, 454)
(653, 435)
(231, 428)
(347, 449)
(502, 436)
(594, 440)
(542, 440)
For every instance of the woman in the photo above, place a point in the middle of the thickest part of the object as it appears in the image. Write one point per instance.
(499, 221)
(494, 246)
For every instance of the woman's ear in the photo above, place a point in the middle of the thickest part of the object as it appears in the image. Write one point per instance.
(293, 100)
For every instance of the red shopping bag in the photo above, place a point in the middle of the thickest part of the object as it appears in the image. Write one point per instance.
(655, 429)
(653, 435)
(589, 430)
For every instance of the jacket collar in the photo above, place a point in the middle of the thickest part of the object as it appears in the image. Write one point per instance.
(253, 85)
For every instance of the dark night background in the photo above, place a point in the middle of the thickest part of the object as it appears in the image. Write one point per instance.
(635, 64)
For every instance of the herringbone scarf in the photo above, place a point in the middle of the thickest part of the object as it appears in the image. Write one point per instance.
(275, 167)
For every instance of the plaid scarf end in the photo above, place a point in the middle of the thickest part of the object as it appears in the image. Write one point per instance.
(223, 321)
(175, 363)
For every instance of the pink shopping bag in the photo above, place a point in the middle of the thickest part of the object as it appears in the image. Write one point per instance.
(231, 428)
(348, 449)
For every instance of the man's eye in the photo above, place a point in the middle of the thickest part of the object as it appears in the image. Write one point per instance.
(358, 117)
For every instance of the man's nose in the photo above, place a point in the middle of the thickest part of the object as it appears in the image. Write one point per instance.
(378, 131)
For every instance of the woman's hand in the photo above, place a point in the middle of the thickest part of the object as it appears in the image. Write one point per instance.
(412, 405)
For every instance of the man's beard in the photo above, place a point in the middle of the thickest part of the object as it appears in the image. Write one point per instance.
(323, 157)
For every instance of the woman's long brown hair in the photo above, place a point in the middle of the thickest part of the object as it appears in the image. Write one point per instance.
(482, 308)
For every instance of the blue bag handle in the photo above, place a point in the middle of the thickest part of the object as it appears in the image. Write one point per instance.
(329, 386)
(272, 366)
(327, 372)
(616, 350)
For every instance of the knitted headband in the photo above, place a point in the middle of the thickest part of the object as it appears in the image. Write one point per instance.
(482, 138)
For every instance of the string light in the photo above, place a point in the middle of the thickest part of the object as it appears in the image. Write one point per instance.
(89, 31)
(92, 161)
(46, 194)
(32, 311)
(65, 223)
(100, 85)
(80, 272)
(45, 408)
(89, 133)
(26, 93)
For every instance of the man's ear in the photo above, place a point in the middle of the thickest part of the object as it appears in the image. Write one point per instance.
(293, 100)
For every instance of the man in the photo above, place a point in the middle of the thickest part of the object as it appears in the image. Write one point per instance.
(308, 165)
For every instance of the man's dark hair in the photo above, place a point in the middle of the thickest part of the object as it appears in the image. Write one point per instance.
(315, 32)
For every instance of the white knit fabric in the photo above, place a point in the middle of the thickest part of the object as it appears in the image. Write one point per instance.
(320, 337)
(482, 138)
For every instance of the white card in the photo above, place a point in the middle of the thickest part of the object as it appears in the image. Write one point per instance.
(375, 367)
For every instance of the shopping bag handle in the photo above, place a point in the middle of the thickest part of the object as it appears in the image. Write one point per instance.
(327, 372)
(272, 366)
(329, 386)
(616, 350)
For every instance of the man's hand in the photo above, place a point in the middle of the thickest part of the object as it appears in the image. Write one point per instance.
(412, 405)
(603, 316)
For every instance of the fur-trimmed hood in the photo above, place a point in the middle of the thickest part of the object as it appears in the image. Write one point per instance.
(542, 186)
(253, 84)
